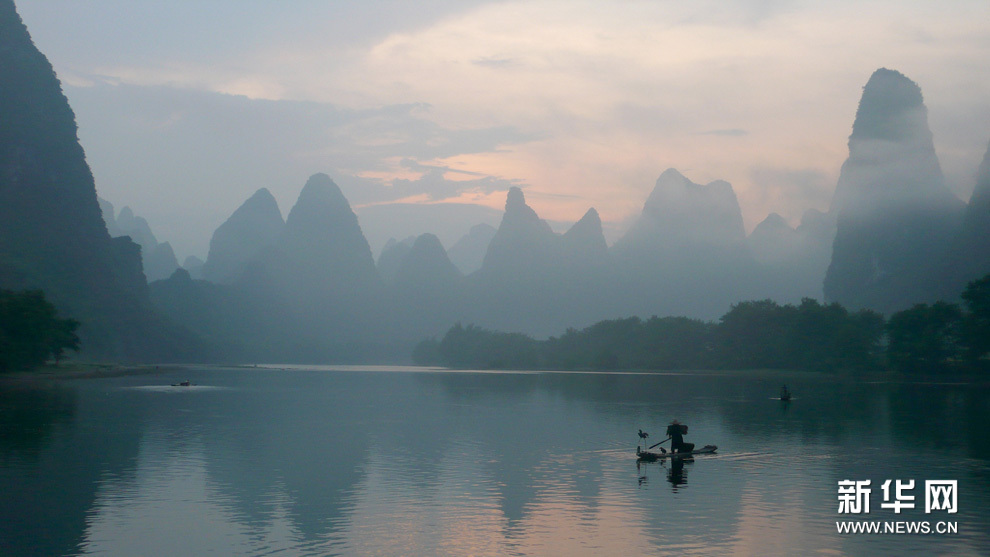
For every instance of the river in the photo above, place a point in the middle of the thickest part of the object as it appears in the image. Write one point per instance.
(410, 461)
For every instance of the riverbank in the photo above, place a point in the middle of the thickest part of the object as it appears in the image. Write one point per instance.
(70, 371)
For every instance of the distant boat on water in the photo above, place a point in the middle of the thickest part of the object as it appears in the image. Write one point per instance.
(785, 394)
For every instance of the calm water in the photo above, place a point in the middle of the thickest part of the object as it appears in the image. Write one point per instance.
(394, 461)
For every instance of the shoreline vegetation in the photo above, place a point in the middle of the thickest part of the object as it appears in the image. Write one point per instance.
(72, 371)
(941, 338)
(80, 370)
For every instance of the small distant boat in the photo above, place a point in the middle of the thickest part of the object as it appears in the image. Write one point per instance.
(186, 383)
(649, 456)
(785, 395)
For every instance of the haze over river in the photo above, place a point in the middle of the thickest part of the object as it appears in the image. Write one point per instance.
(413, 461)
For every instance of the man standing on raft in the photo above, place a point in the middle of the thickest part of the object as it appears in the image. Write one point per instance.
(676, 430)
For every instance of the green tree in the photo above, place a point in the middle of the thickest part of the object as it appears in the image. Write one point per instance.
(828, 337)
(472, 346)
(976, 323)
(924, 337)
(31, 331)
(753, 334)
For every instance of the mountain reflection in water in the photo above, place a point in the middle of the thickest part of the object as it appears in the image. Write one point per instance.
(392, 460)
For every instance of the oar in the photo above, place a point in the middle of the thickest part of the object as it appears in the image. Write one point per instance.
(655, 444)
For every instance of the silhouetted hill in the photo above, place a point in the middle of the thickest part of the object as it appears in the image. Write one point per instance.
(468, 253)
(242, 322)
(681, 213)
(534, 280)
(895, 215)
(323, 268)
(158, 258)
(426, 266)
(773, 240)
(109, 217)
(792, 261)
(137, 228)
(969, 255)
(305, 290)
(52, 235)
(323, 243)
(685, 254)
(584, 243)
(194, 266)
(976, 225)
(253, 227)
(160, 262)
(524, 243)
(447, 221)
(392, 256)
(424, 292)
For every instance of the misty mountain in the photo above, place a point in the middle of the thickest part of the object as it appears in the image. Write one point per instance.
(322, 267)
(793, 261)
(194, 266)
(392, 256)
(680, 213)
(307, 287)
(426, 266)
(895, 215)
(253, 227)
(773, 240)
(686, 253)
(324, 247)
(109, 217)
(160, 262)
(975, 238)
(425, 292)
(468, 253)
(158, 258)
(969, 255)
(447, 221)
(246, 321)
(136, 227)
(524, 243)
(305, 290)
(584, 243)
(534, 280)
(52, 234)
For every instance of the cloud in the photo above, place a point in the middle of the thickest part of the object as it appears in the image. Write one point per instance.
(185, 159)
(726, 132)
(587, 100)
(789, 191)
(495, 63)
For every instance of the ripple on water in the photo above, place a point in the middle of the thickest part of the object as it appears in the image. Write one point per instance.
(176, 388)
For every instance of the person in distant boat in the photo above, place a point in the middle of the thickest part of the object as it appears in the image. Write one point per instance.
(676, 431)
(784, 393)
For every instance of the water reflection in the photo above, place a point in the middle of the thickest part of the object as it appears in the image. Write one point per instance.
(674, 471)
(354, 462)
(55, 454)
(29, 416)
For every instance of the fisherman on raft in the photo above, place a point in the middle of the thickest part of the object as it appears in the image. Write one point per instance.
(676, 431)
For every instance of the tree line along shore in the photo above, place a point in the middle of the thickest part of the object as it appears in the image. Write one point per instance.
(760, 334)
(938, 337)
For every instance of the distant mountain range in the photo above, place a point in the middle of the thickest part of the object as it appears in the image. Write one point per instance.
(307, 287)
(157, 258)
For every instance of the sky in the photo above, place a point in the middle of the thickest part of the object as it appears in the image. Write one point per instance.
(186, 108)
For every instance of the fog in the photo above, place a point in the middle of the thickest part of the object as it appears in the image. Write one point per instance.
(324, 219)
(185, 111)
